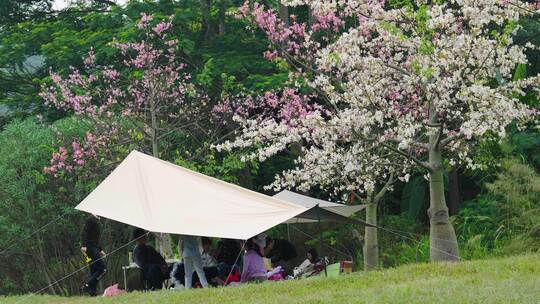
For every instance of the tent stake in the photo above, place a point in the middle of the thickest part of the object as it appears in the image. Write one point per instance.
(321, 238)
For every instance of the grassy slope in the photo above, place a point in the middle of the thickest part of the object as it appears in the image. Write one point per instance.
(508, 280)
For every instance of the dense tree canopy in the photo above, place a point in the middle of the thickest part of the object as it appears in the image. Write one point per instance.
(402, 88)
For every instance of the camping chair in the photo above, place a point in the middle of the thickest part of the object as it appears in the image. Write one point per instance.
(146, 282)
(343, 267)
(316, 269)
(333, 270)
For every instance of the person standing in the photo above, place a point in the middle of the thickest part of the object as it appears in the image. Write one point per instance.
(91, 247)
(192, 260)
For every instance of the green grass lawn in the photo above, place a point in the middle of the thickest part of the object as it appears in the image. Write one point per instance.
(508, 280)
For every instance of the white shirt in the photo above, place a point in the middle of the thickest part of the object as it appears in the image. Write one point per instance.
(208, 260)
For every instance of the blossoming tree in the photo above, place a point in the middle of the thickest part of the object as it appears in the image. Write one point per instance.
(396, 89)
(140, 104)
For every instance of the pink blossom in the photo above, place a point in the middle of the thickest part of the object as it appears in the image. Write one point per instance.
(56, 78)
(221, 108)
(111, 74)
(244, 9)
(90, 58)
(81, 93)
(145, 19)
(328, 21)
(271, 55)
(161, 27)
(271, 99)
(171, 42)
(395, 95)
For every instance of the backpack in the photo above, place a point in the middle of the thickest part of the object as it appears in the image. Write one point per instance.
(113, 290)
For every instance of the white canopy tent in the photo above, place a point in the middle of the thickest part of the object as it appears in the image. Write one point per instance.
(158, 196)
(344, 212)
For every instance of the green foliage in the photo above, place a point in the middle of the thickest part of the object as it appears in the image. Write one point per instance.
(414, 198)
(403, 242)
(521, 72)
(29, 200)
(505, 220)
(30, 47)
(14, 11)
(518, 191)
(526, 144)
(224, 167)
(408, 4)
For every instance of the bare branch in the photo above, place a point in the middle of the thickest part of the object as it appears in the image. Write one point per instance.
(439, 136)
(399, 69)
(108, 2)
(141, 129)
(450, 139)
(420, 163)
(178, 128)
(414, 143)
(384, 189)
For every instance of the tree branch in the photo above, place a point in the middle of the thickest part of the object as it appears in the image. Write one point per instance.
(420, 163)
(450, 139)
(175, 129)
(414, 143)
(108, 2)
(439, 136)
(399, 69)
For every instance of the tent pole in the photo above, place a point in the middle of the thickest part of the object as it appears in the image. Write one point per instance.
(321, 238)
(288, 233)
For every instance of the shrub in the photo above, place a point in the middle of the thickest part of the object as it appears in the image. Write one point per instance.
(506, 219)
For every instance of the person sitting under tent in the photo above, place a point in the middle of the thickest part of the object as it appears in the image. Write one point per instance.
(313, 257)
(254, 270)
(209, 263)
(91, 249)
(312, 265)
(192, 260)
(227, 254)
(281, 253)
(153, 265)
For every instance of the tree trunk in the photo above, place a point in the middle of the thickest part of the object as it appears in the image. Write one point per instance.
(221, 17)
(453, 191)
(311, 17)
(371, 243)
(284, 13)
(205, 9)
(442, 237)
(163, 240)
